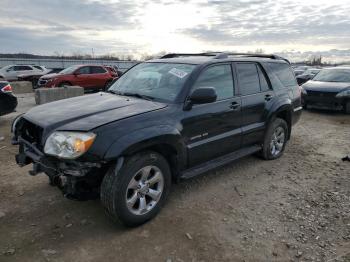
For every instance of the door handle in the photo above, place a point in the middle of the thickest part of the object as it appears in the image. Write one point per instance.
(268, 97)
(234, 105)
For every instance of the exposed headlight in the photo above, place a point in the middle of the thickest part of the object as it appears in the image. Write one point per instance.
(345, 93)
(68, 145)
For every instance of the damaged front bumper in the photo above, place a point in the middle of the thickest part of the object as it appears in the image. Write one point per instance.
(78, 180)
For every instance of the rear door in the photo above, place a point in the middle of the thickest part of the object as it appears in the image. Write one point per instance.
(214, 129)
(99, 76)
(257, 96)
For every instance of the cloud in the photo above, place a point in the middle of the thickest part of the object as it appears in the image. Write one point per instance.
(139, 26)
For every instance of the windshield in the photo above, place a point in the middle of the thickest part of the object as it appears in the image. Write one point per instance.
(155, 80)
(333, 75)
(69, 70)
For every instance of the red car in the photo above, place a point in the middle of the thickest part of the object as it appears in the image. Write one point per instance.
(91, 77)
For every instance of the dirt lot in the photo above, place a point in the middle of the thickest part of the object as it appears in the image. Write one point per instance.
(295, 208)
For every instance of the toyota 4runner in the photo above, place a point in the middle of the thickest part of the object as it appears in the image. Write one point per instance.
(164, 120)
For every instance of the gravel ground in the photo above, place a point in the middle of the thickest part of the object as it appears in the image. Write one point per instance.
(295, 208)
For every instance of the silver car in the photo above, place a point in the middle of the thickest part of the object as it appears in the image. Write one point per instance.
(11, 72)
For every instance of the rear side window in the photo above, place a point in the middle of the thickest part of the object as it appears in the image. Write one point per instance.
(284, 73)
(84, 70)
(248, 78)
(97, 70)
(219, 77)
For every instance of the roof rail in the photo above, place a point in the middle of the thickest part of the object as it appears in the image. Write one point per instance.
(271, 56)
(172, 55)
(223, 55)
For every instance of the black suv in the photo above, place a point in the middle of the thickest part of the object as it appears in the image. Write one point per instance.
(164, 120)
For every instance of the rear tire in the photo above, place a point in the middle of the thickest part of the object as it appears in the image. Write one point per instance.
(275, 139)
(126, 193)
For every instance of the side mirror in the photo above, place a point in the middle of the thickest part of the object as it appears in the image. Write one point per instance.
(203, 95)
(76, 73)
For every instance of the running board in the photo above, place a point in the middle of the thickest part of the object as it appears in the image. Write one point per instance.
(218, 162)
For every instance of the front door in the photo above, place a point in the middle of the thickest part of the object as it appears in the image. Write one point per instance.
(214, 129)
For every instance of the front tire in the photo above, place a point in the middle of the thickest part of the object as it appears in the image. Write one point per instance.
(275, 139)
(135, 194)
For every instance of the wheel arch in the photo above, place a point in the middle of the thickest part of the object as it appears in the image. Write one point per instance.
(168, 144)
(284, 112)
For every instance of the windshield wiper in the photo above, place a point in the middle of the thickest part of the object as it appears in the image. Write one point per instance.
(138, 95)
(131, 94)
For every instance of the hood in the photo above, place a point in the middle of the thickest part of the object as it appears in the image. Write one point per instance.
(334, 87)
(87, 112)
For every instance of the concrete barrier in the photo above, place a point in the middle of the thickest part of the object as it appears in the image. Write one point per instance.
(47, 95)
(21, 87)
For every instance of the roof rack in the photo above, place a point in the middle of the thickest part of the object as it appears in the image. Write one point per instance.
(223, 55)
(172, 55)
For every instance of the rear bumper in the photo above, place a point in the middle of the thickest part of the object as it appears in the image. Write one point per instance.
(8, 105)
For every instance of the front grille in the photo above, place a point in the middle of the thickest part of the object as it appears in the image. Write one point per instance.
(321, 94)
(31, 133)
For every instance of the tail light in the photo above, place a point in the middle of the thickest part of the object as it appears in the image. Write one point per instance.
(7, 89)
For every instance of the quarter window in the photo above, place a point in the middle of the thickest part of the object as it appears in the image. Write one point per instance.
(219, 77)
(284, 73)
(248, 78)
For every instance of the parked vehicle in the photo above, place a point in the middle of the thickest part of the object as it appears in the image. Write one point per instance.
(307, 75)
(91, 77)
(298, 72)
(329, 89)
(34, 77)
(8, 102)
(164, 120)
(11, 72)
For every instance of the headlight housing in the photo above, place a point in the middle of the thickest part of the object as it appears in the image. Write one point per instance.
(68, 145)
(345, 93)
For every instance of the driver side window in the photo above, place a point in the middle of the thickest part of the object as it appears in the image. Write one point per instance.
(219, 77)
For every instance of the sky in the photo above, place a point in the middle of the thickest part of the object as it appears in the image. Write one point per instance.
(294, 28)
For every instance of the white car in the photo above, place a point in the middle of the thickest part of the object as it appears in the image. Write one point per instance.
(11, 72)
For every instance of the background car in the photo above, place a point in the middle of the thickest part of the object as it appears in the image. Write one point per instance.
(8, 102)
(91, 77)
(34, 77)
(307, 75)
(329, 89)
(11, 72)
